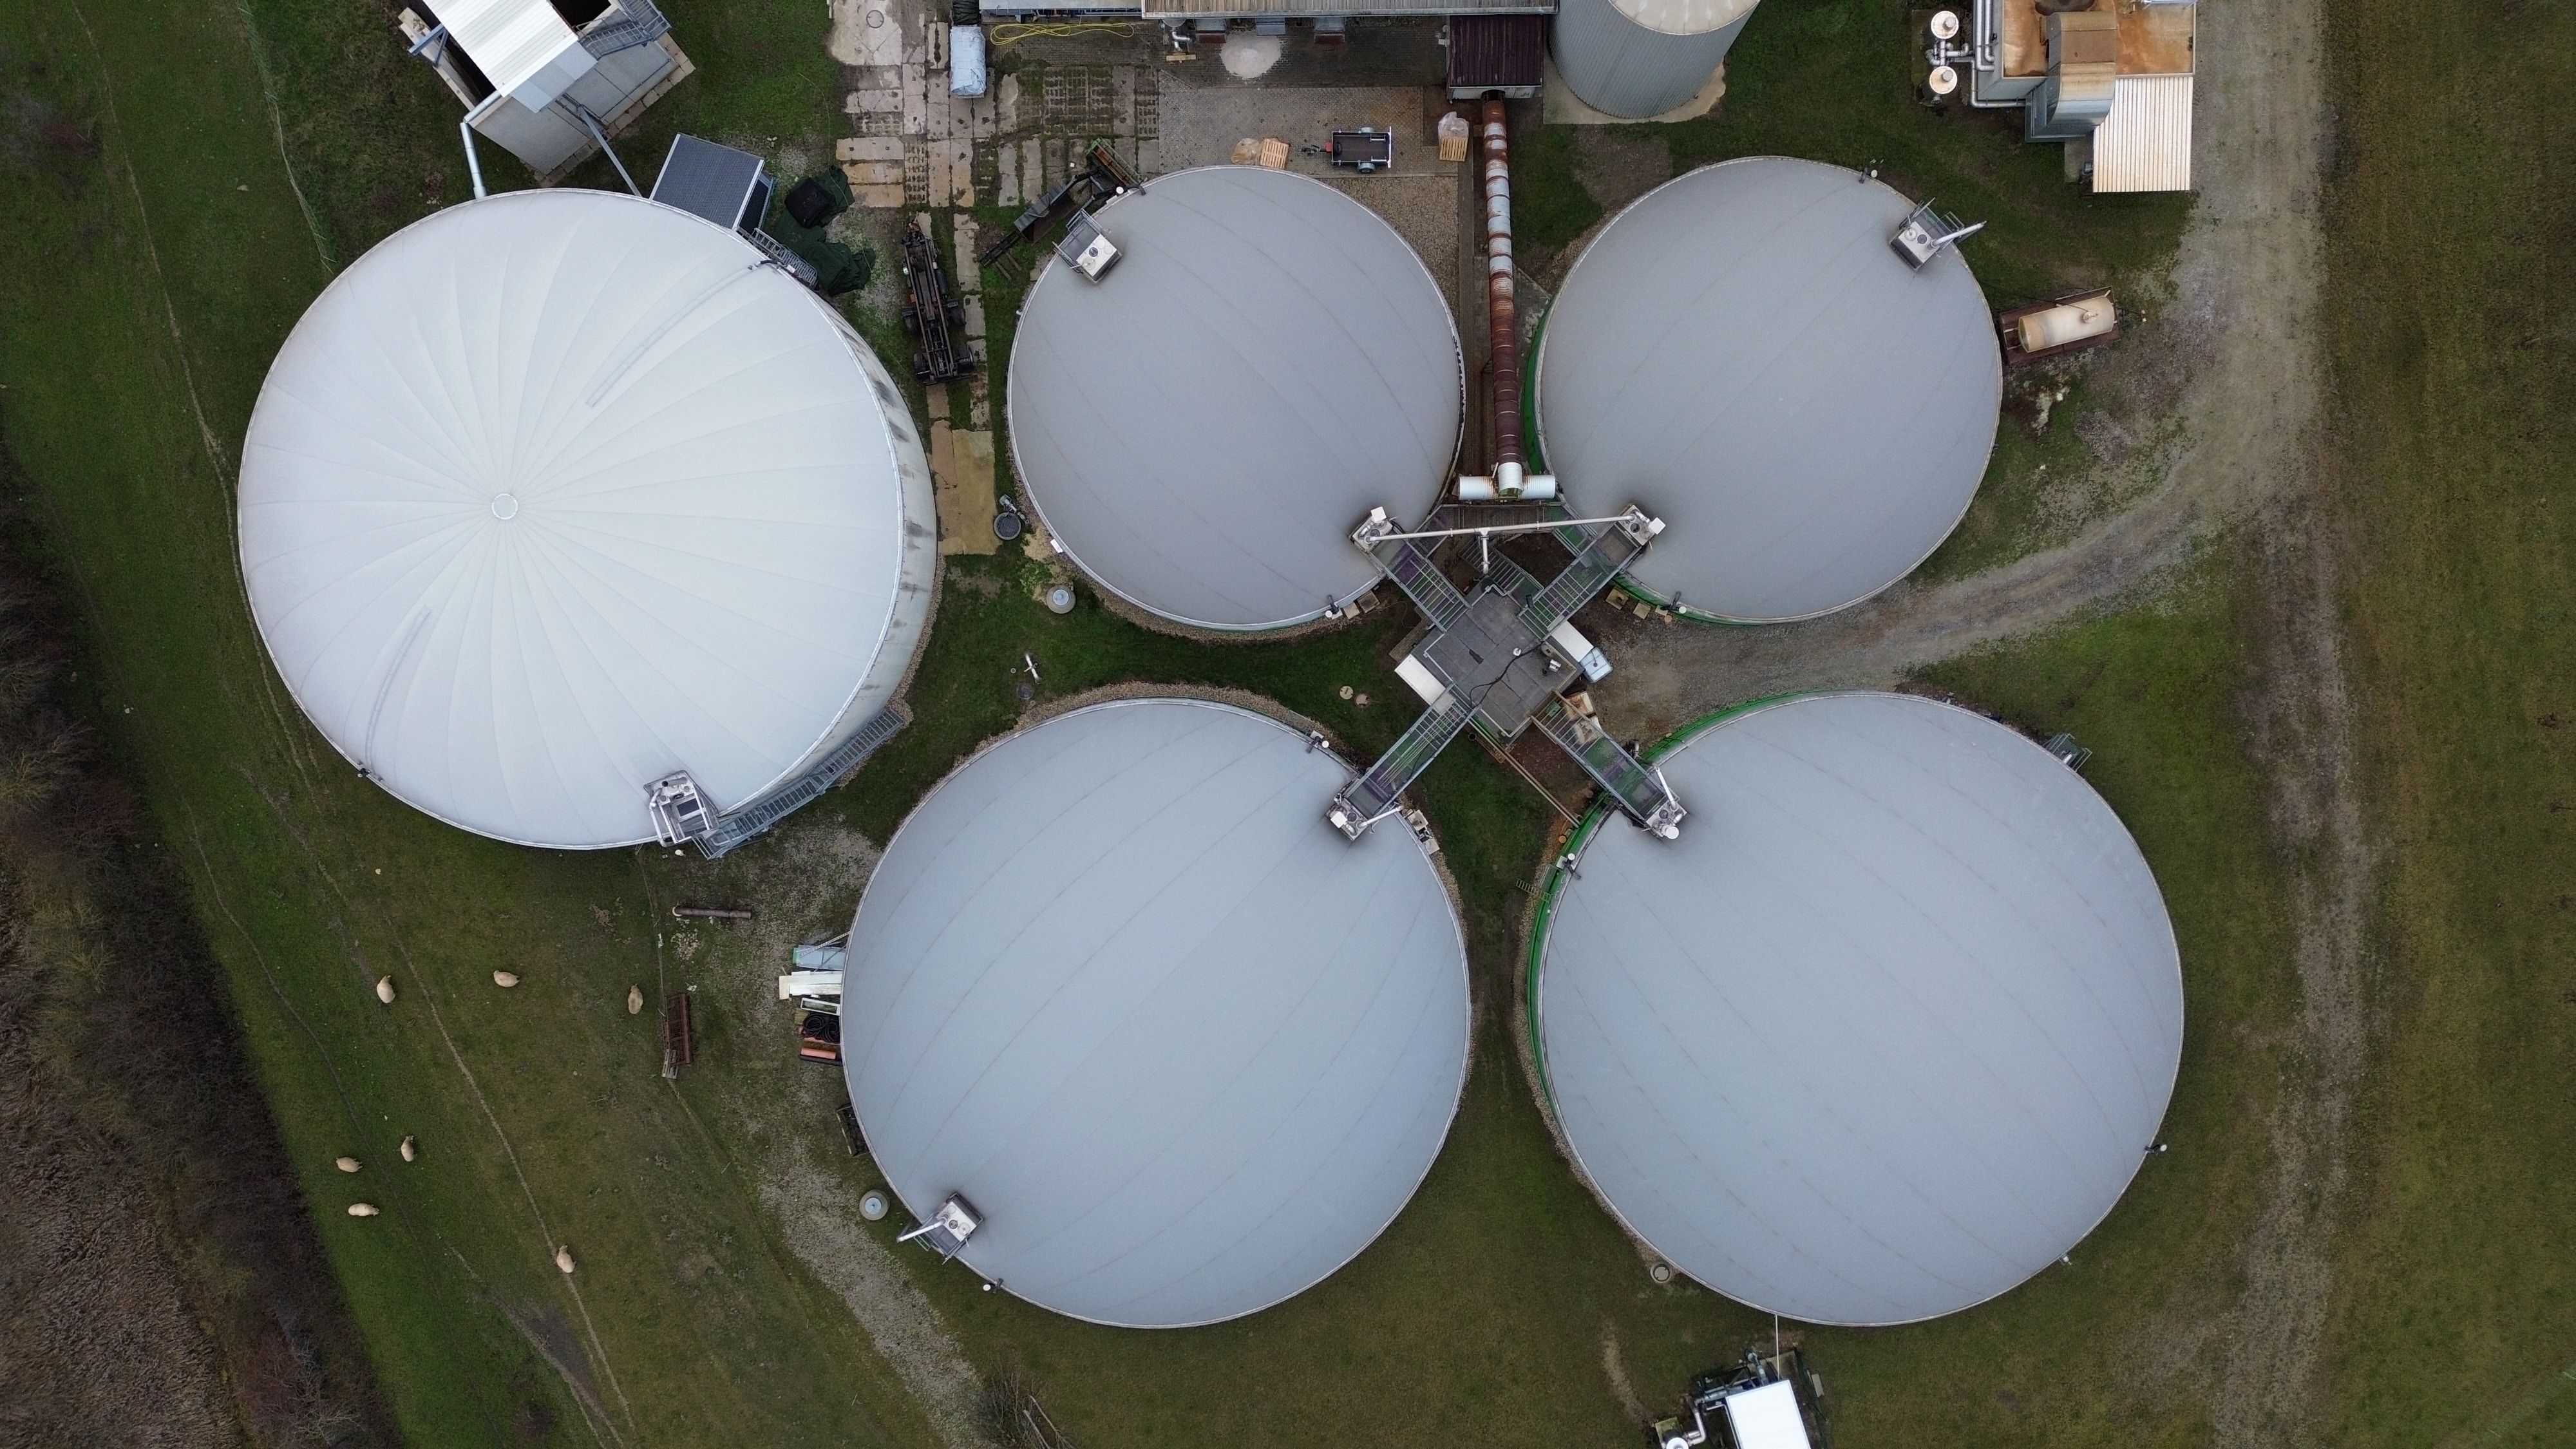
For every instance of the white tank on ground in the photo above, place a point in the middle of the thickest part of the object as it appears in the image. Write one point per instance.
(1203, 424)
(1888, 1030)
(1183, 1049)
(553, 495)
(1641, 58)
(1742, 353)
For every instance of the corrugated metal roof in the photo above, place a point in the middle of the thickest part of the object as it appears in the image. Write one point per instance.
(1185, 1048)
(2145, 143)
(1497, 51)
(1885, 1032)
(522, 47)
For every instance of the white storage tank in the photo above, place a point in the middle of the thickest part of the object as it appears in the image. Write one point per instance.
(1888, 1030)
(1202, 424)
(554, 496)
(1176, 1048)
(1742, 353)
(1641, 58)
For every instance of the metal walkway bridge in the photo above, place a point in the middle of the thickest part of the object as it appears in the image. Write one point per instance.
(1496, 659)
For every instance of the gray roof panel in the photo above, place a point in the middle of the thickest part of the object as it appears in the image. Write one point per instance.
(1741, 352)
(1185, 1048)
(1203, 427)
(1885, 1032)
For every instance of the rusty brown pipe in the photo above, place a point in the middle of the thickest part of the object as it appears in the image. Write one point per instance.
(1502, 315)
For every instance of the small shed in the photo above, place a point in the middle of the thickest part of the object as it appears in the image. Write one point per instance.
(548, 79)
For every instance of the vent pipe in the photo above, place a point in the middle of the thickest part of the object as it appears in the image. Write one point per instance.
(1511, 479)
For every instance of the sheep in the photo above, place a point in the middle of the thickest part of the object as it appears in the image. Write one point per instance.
(346, 1164)
(411, 1149)
(634, 1000)
(505, 979)
(563, 1258)
(362, 1209)
(385, 990)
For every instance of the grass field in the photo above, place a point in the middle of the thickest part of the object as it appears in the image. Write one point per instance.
(2452, 253)
(146, 288)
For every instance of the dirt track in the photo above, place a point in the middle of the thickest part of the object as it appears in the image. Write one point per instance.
(2232, 359)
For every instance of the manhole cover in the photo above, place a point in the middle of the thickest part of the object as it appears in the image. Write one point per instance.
(1006, 526)
(1060, 599)
(872, 1206)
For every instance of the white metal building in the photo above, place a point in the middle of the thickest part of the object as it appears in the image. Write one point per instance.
(1743, 353)
(547, 78)
(1886, 1032)
(554, 495)
(1202, 426)
(1184, 1049)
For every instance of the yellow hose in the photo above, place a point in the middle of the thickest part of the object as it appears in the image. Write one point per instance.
(1013, 32)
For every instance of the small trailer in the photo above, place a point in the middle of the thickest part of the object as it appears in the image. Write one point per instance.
(1368, 149)
(2060, 325)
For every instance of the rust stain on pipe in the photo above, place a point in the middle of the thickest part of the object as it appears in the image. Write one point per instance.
(1502, 314)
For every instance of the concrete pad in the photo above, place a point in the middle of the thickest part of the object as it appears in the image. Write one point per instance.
(1560, 106)
(868, 148)
(1006, 176)
(1200, 124)
(970, 276)
(865, 32)
(873, 173)
(878, 198)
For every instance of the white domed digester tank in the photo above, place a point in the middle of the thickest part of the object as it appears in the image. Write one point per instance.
(558, 497)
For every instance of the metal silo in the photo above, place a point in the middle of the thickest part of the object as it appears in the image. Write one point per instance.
(1887, 1031)
(1640, 58)
(1744, 354)
(1201, 420)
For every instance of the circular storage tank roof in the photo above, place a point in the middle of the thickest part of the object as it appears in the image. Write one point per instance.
(1204, 426)
(1185, 1049)
(1885, 1032)
(1743, 353)
(552, 494)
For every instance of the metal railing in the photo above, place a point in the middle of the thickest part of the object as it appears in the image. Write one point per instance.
(1602, 556)
(1422, 582)
(1366, 800)
(637, 22)
(1639, 792)
(742, 826)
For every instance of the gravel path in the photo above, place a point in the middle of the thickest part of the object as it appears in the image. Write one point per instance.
(2233, 359)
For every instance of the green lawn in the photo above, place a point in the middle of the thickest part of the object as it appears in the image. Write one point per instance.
(2452, 254)
(145, 291)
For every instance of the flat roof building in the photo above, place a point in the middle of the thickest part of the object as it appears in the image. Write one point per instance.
(1885, 1033)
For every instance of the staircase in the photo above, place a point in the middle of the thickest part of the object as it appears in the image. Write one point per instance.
(743, 825)
(1376, 791)
(1422, 582)
(1639, 792)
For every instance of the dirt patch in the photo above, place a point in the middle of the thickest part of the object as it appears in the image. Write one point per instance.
(808, 878)
(1616, 167)
(1615, 1369)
